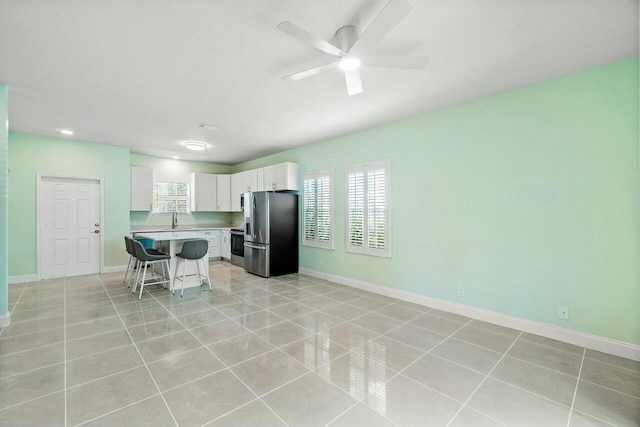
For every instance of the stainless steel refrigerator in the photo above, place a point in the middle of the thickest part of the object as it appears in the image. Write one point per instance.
(270, 233)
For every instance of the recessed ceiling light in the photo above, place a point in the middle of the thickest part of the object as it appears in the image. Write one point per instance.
(176, 157)
(349, 63)
(195, 145)
(66, 131)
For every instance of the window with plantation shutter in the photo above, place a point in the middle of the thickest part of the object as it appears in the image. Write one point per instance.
(317, 209)
(169, 197)
(368, 209)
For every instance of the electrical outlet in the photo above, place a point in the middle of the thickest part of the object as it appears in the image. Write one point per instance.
(563, 312)
(460, 291)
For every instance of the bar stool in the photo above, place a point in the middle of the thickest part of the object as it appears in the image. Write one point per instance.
(132, 259)
(149, 258)
(191, 250)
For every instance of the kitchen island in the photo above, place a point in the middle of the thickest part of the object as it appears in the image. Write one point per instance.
(170, 242)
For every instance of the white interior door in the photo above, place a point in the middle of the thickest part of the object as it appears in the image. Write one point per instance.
(69, 219)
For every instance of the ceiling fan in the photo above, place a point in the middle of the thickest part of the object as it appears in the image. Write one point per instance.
(350, 42)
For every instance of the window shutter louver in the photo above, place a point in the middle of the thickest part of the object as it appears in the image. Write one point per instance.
(309, 206)
(169, 197)
(367, 205)
(324, 209)
(317, 208)
(356, 208)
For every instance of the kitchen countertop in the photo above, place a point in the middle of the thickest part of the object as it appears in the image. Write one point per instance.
(187, 227)
(175, 235)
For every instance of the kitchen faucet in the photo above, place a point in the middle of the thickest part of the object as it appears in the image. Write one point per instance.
(174, 220)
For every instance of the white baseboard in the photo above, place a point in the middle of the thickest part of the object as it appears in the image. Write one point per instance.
(24, 278)
(114, 269)
(594, 342)
(5, 320)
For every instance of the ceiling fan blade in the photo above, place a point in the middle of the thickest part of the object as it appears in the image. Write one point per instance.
(390, 15)
(391, 61)
(305, 36)
(354, 84)
(311, 71)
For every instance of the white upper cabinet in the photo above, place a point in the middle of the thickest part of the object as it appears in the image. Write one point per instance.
(283, 176)
(224, 193)
(204, 192)
(260, 172)
(250, 179)
(236, 191)
(141, 189)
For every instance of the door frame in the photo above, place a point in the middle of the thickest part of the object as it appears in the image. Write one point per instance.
(40, 203)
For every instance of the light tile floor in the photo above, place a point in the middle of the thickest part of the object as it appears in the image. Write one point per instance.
(290, 350)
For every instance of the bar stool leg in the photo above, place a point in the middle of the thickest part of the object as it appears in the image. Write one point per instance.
(207, 277)
(127, 272)
(184, 272)
(198, 270)
(144, 273)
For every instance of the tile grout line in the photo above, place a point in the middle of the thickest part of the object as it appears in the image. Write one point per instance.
(15, 304)
(118, 409)
(140, 355)
(575, 391)
(64, 351)
(398, 372)
(223, 363)
(483, 381)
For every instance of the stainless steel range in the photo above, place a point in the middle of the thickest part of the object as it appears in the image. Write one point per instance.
(237, 247)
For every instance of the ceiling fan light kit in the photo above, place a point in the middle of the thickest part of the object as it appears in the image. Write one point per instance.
(350, 38)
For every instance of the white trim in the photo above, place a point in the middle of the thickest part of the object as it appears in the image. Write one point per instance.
(23, 278)
(5, 320)
(332, 224)
(114, 269)
(39, 177)
(595, 342)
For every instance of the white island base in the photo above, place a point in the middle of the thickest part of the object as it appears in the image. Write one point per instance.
(171, 244)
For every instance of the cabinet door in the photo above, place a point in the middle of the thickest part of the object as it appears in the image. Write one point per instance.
(141, 189)
(225, 244)
(224, 193)
(261, 186)
(251, 180)
(288, 177)
(214, 244)
(236, 191)
(269, 178)
(204, 189)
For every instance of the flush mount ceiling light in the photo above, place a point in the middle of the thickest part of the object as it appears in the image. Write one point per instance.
(66, 131)
(195, 145)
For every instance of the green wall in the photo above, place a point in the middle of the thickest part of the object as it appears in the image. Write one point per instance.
(30, 155)
(528, 199)
(4, 195)
(169, 170)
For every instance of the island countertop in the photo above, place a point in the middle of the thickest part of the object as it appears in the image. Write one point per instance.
(175, 235)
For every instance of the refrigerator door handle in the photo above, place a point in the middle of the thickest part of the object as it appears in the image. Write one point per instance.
(262, 248)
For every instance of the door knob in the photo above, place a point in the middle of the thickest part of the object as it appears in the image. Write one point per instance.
(96, 231)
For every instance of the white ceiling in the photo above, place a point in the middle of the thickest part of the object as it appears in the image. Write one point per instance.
(145, 74)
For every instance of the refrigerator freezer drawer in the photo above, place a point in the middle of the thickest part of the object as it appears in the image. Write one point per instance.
(256, 259)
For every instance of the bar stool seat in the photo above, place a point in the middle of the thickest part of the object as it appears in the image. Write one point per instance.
(146, 257)
(191, 250)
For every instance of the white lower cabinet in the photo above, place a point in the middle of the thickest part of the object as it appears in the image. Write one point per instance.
(214, 245)
(225, 244)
